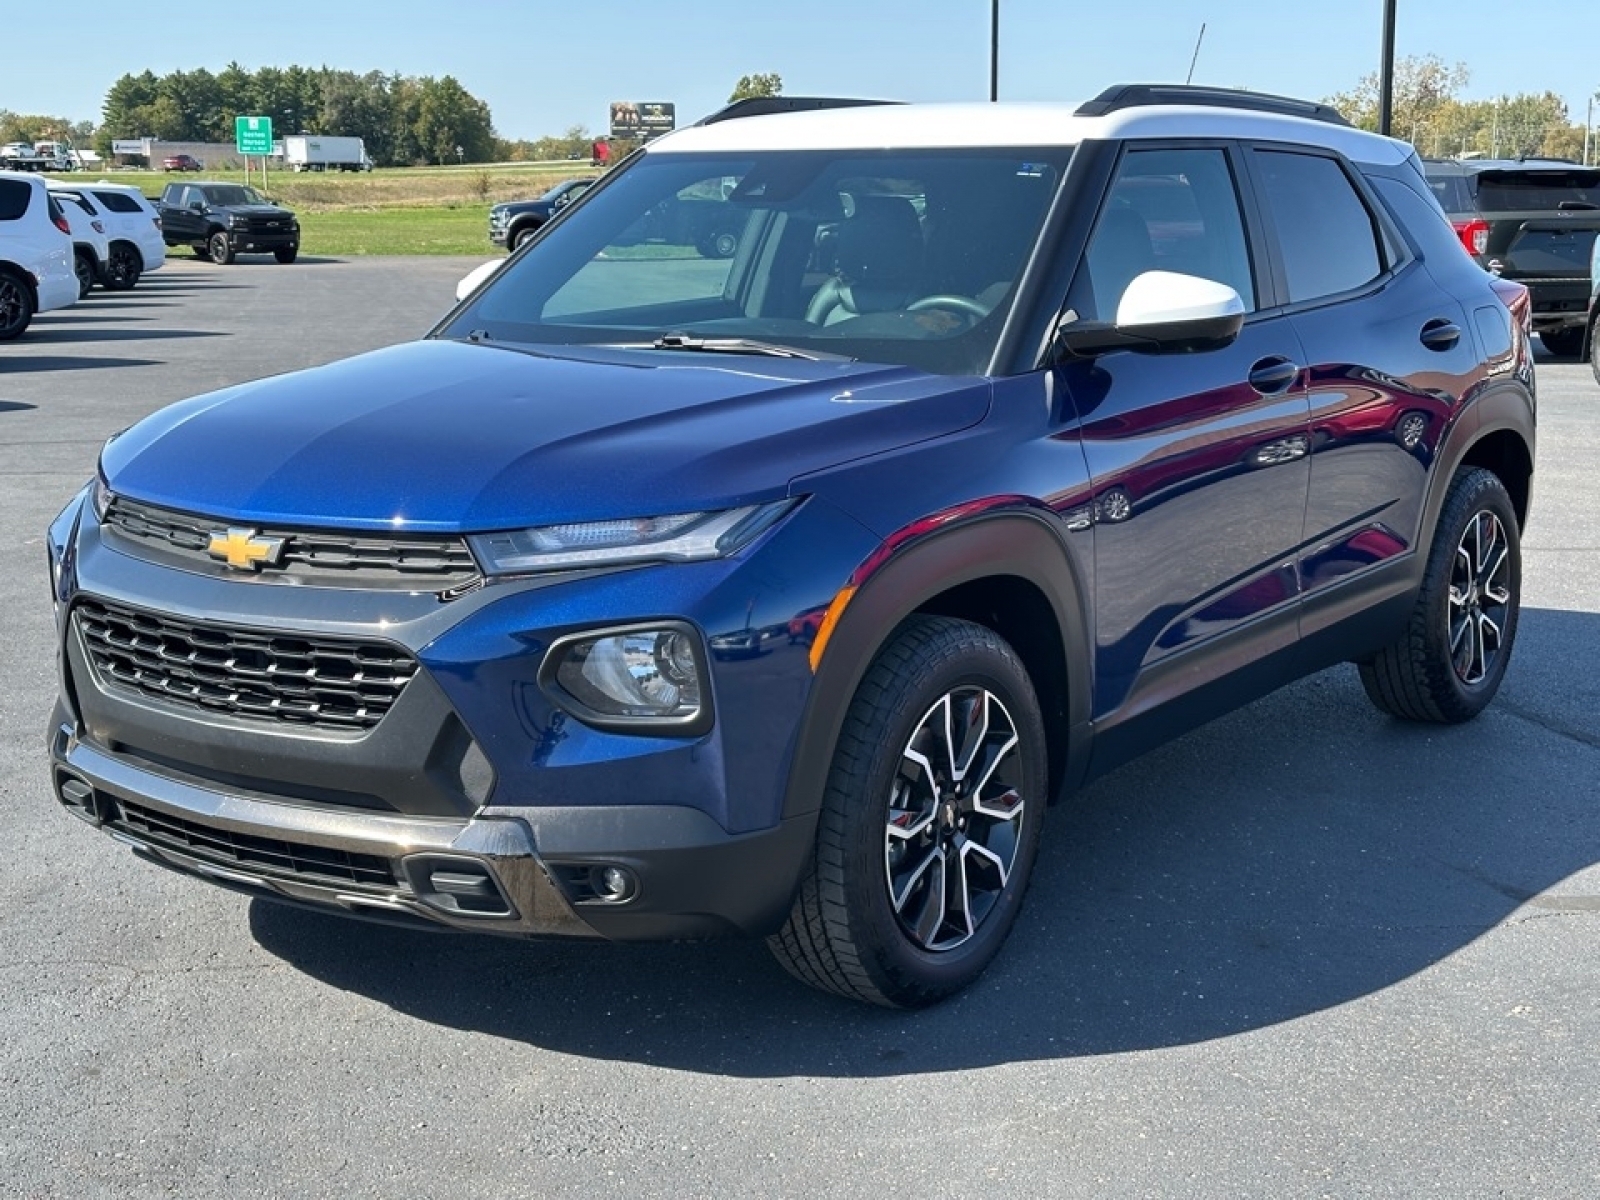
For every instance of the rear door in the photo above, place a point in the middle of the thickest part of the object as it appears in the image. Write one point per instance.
(1389, 355)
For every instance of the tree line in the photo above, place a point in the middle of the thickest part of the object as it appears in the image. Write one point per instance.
(403, 120)
(1427, 112)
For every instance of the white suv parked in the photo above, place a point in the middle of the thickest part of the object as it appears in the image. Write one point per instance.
(35, 253)
(133, 225)
(91, 248)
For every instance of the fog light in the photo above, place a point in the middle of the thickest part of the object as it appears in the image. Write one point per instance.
(614, 885)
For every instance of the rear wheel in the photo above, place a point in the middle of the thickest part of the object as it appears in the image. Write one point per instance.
(123, 268)
(220, 248)
(1449, 663)
(1564, 343)
(83, 266)
(286, 254)
(929, 824)
(16, 306)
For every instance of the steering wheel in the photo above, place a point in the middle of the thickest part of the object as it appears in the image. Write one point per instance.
(965, 305)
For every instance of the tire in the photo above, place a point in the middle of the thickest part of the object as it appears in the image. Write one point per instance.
(522, 234)
(872, 919)
(123, 268)
(219, 248)
(1451, 659)
(16, 306)
(83, 266)
(286, 254)
(724, 243)
(202, 252)
(1594, 349)
(1564, 343)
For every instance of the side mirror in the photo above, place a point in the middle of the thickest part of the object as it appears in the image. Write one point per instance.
(1162, 312)
(198, 205)
(473, 280)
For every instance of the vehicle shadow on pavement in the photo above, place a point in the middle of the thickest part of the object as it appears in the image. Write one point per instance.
(1287, 858)
(44, 335)
(64, 362)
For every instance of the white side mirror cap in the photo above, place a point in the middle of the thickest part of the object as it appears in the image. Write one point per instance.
(473, 280)
(1166, 298)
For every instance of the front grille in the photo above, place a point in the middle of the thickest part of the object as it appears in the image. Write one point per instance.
(309, 555)
(269, 856)
(257, 674)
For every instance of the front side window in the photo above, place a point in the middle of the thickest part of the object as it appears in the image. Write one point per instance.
(1167, 210)
(1328, 238)
(908, 257)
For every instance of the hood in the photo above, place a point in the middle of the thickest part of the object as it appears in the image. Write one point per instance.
(447, 436)
(258, 210)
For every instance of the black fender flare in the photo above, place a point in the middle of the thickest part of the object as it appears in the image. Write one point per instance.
(1020, 543)
(1505, 407)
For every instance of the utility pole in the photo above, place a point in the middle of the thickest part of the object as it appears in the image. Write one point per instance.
(1588, 129)
(994, 50)
(1386, 71)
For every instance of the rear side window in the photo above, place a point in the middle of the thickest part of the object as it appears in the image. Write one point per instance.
(14, 196)
(117, 202)
(1538, 191)
(1451, 193)
(1328, 237)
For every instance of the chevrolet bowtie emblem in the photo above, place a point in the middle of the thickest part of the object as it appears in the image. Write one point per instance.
(244, 549)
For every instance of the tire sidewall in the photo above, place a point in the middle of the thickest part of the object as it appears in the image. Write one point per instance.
(903, 964)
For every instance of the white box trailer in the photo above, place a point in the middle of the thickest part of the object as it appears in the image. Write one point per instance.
(316, 152)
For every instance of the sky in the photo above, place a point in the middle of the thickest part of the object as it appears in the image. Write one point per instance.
(544, 66)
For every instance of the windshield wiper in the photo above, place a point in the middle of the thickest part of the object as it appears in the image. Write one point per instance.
(735, 345)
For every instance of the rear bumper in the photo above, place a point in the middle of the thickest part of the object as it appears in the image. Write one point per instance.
(1557, 303)
(520, 872)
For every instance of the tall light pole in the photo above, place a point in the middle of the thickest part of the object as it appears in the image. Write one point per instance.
(994, 50)
(1386, 71)
(1588, 128)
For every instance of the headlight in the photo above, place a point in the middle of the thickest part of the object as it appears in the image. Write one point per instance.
(238, 219)
(634, 679)
(680, 537)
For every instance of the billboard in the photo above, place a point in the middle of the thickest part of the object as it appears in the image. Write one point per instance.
(642, 120)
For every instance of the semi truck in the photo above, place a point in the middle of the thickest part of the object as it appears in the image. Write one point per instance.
(315, 152)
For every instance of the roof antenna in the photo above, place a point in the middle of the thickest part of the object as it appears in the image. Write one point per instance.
(1188, 79)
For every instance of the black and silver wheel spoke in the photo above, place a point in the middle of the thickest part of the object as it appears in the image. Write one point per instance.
(954, 816)
(1479, 597)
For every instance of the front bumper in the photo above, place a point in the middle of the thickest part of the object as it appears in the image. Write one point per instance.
(529, 873)
(248, 242)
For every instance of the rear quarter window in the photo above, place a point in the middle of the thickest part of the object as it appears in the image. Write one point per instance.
(15, 195)
(117, 202)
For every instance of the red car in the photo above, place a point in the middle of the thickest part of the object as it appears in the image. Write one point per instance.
(181, 162)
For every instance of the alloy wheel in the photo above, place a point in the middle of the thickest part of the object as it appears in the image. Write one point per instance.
(955, 815)
(1480, 598)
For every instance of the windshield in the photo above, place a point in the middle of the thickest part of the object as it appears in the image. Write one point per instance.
(231, 194)
(908, 257)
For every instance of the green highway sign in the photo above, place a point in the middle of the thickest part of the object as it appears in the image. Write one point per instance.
(253, 135)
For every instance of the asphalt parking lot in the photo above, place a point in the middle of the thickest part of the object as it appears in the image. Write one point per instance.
(1304, 951)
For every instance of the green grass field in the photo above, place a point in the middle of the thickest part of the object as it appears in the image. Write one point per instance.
(415, 210)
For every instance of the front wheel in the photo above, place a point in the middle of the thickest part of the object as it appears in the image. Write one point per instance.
(1564, 343)
(929, 825)
(1594, 348)
(286, 254)
(219, 249)
(1448, 664)
(522, 235)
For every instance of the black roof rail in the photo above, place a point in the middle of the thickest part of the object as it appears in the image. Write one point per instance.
(760, 106)
(1139, 95)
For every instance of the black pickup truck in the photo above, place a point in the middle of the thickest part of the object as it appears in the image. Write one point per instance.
(220, 220)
